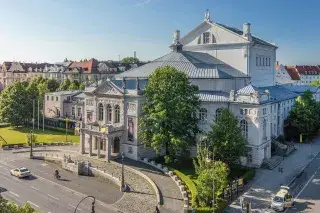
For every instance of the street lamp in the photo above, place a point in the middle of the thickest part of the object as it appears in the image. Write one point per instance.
(122, 172)
(30, 138)
(67, 120)
(92, 208)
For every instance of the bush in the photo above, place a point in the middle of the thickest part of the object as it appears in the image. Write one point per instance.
(280, 138)
(190, 185)
(249, 175)
(222, 204)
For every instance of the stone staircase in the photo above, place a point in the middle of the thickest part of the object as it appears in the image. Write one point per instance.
(280, 149)
(272, 163)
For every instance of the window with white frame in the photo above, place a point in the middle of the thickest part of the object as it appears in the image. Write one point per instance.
(206, 38)
(213, 39)
(264, 111)
(72, 111)
(79, 111)
(117, 112)
(244, 128)
(218, 113)
(109, 113)
(203, 115)
(264, 128)
(100, 117)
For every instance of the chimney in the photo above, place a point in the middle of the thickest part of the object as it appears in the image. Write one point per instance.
(176, 36)
(176, 45)
(247, 31)
(278, 63)
(134, 54)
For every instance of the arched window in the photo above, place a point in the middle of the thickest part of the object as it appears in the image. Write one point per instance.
(100, 117)
(117, 112)
(264, 128)
(109, 113)
(218, 113)
(213, 39)
(244, 128)
(199, 40)
(203, 115)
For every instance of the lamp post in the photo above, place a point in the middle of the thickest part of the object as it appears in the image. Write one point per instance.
(67, 120)
(30, 138)
(92, 208)
(122, 172)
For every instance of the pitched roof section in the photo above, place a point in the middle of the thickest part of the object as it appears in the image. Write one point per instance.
(250, 89)
(300, 88)
(293, 73)
(194, 64)
(214, 96)
(86, 66)
(240, 32)
(279, 93)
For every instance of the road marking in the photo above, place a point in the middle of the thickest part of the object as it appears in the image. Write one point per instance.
(5, 168)
(33, 204)
(34, 188)
(14, 194)
(75, 207)
(52, 197)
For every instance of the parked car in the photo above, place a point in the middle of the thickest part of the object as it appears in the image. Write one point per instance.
(282, 200)
(20, 172)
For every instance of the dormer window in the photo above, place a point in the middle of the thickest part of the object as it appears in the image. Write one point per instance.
(206, 38)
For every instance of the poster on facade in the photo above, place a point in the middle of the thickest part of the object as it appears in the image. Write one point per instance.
(130, 129)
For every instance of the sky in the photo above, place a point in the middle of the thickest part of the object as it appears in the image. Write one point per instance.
(51, 30)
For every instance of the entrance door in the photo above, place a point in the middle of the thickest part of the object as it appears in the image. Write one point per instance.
(266, 152)
(116, 145)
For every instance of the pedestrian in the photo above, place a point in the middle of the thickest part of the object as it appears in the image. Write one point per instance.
(157, 210)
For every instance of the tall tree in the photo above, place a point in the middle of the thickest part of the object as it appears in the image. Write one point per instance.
(14, 104)
(305, 115)
(169, 117)
(74, 85)
(130, 60)
(217, 174)
(10, 207)
(64, 85)
(53, 85)
(226, 138)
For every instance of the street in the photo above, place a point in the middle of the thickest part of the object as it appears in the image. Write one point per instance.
(48, 195)
(308, 197)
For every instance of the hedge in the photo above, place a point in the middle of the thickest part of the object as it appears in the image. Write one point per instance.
(190, 185)
(222, 204)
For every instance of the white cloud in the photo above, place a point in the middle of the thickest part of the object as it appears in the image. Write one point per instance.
(141, 3)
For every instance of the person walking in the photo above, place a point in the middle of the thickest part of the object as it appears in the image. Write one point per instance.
(157, 210)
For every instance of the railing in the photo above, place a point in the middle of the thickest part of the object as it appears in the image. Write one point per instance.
(2, 139)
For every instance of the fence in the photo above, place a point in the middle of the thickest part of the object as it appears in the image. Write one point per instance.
(232, 191)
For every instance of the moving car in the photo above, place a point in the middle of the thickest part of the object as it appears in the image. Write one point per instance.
(20, 172)
(282, 200)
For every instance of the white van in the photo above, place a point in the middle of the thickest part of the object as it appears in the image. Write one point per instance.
(282, 200)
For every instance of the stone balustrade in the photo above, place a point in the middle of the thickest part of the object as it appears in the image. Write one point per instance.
(174, 177)
(41, 144)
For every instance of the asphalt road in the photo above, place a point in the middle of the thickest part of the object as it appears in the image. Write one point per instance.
(48, 195)
(307, 198)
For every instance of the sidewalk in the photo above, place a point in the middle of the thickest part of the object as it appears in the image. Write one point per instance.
(267, 182)
(172, 198)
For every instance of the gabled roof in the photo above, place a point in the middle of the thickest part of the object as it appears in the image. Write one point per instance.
(293, 73)
(87, 66)
(67, 92)
(194, 64)
(105, 87)
(240, 32)
(248, 90)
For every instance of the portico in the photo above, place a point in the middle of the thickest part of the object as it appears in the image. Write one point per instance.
(103, 142)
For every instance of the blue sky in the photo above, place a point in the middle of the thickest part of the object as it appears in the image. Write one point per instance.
(50, 30)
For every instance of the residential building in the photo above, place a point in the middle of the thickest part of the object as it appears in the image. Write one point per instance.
(286, 75)
(55, 71)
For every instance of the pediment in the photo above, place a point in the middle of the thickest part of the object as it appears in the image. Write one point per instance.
(108, 88)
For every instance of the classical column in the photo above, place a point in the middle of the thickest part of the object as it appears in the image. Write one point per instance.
(94, 142)
(98, 145)
(82, 142)
(108, 149)
(90, 145)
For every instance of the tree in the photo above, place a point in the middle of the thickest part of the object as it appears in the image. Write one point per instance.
(130, 60)
(305, 115)
(201, 162)
(53, 85)
(64, 85)
(74, 85)
(15, 104)
(226, 138)
(10, 207)
(315, 83)
(217, 174)
(169, 117)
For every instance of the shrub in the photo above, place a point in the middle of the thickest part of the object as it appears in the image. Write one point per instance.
(249, 175)
(222, 204)
(190, 185)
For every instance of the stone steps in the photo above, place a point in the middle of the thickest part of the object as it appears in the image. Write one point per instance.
(272, 162)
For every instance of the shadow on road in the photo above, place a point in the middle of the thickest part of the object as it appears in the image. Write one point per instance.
(63, 179)
(301, 206)
(3, 189)
(31, 177)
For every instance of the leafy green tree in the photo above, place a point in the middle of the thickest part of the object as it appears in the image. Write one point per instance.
(201, 162)
(130, 60)
(226, 138)
(53, 85)
(169, 117)
(14, 104)
(217, 174)
(74, 85)
(315, 83)
(64, 85)
(305, 115)
(10, 207)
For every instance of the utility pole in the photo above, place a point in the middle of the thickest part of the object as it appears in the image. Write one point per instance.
(33, 103)
(42, 120)
(67, 129)
(30, 138)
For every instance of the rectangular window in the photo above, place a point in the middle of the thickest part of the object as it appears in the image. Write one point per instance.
(57, 98)
(47, 97)
(72, 111)
(241, 111)
(51, 98)
(264, 111)
(260, 61)
(206, 38)
(79, 112)
(257, 61)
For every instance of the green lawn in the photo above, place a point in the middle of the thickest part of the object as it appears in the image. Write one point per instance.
(15, 135)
